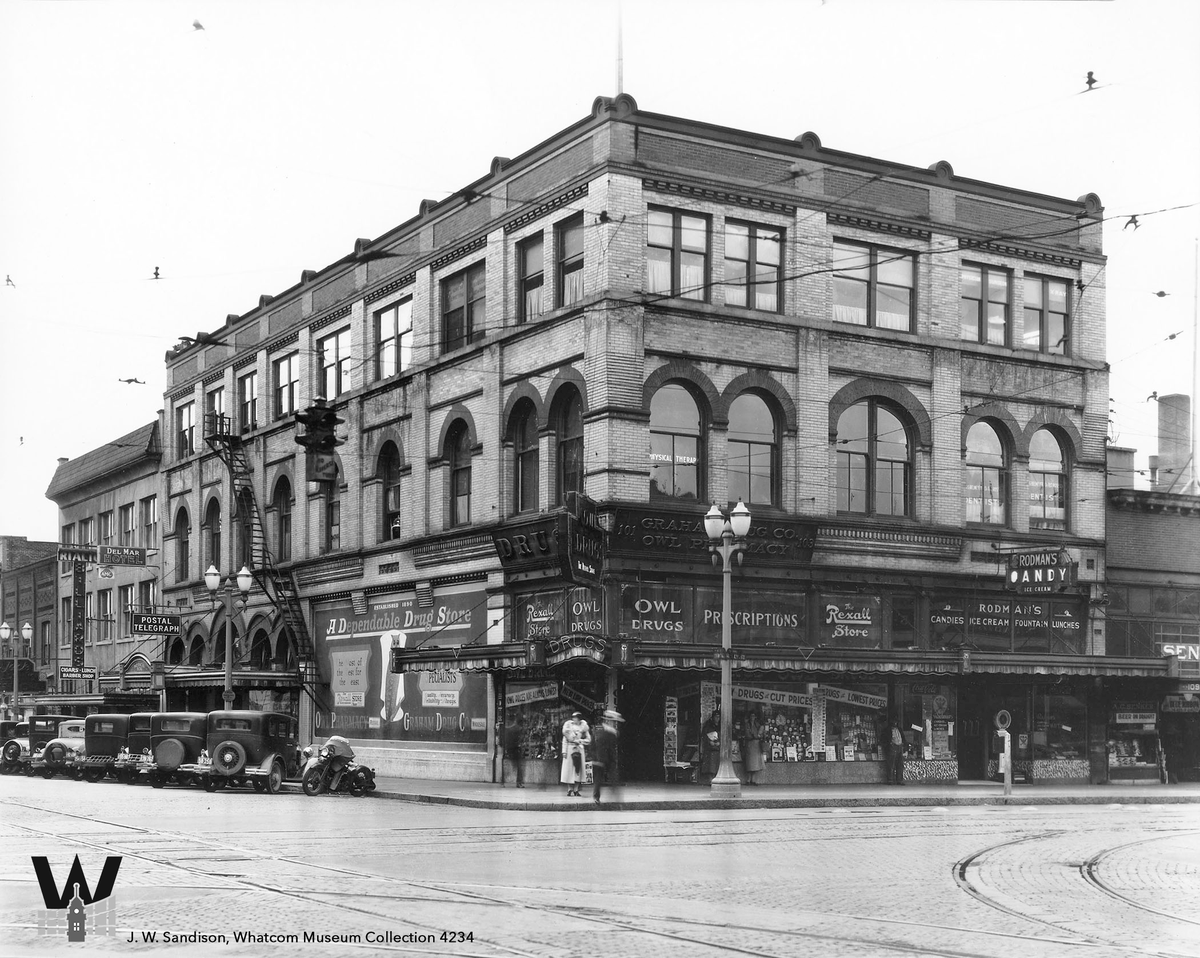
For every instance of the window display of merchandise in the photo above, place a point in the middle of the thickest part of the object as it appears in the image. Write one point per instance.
(855, 734)
(1130, 749)
(786, 735)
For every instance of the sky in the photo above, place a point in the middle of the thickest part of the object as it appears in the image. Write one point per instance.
(233, 157)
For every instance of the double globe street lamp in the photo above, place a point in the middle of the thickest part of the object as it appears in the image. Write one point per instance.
(233, 607)
(26, 634)
(727, 539)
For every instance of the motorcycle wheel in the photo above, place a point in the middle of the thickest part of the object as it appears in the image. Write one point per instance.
(313, 782)
(357, 786)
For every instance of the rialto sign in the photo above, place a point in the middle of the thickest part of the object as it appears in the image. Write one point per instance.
(1042, 571)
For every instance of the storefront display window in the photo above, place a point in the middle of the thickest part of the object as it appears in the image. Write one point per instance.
(1133, 745)
(541, 706)
(928, 720)
(1059, 726)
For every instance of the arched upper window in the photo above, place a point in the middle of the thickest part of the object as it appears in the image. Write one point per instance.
(175, 656)
(282, 504)
(676, 442)
(332, 540)
(389, 473)
(183, 546)
(526, 459)
(753, 451)
(568, 427)
(874, 461)
(196, 655)
(985, 476)
(212, 534)
(458, 456)
(1047, 482)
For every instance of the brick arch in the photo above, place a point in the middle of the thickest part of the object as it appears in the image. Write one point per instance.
(566, 378)
(522, 392)
(894, 394)
(1064, 430)
(678, 371)
(1011, 435)
(187, 514)
(280, 474)
(380, 439)
(454, 414)
(760, 382)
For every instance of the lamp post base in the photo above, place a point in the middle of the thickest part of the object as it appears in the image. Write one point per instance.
(726, 787)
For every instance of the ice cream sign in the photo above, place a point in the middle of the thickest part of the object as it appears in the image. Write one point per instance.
(1043, 571)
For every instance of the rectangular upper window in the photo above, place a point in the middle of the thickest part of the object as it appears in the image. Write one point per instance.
(248, 401)
(150, 521)
(185, 429)
(334, 355)
(569, 266)
(677, 254)
(983, 308)
(532, 278)
(106, 527)
(464, 302)
(214, 412)
(394, 339)
(1047, 314)
(286, 371)
(128, 525)
(873, 286)
(753, 255)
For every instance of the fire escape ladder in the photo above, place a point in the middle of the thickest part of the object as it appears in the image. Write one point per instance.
(277, 584)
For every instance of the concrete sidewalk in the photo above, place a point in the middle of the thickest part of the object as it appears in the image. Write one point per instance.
(643, 796)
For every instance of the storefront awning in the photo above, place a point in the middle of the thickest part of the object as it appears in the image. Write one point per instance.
(1037, 663)
(772, 659)
(470, 658)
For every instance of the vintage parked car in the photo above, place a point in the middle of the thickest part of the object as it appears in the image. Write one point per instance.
(17, 754)
(18, 736)
(104, 739)
(135, 757)
(59, 755)
(246, 747)
(176, 740)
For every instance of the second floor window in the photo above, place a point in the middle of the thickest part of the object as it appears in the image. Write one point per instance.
(675, 438)
(1047, 482)
(752, 258)
(570, 446)
(126, 608)
(128, 525)
(87, 532)
(985, 477)
(1047, 314)
(752, 451)
(389, 473)
(248, 402)
(526, 460)
(334, 354)
(570, 261)
(984, 305)
(185, 429)
(212, 535)
(150, 521)
(183, 546)
(532, 277)
(287, 384)
(104, 614)
(677, 254)
(464, 302)
(873, 461)
(459, 456)
(146, 595)
(394, 339)
(333, 517)
(283, 521)
(872, 286)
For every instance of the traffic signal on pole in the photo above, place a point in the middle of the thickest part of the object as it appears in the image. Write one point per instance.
(320, 424)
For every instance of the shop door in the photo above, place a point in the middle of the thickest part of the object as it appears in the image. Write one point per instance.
(640, 702)
(974, 728)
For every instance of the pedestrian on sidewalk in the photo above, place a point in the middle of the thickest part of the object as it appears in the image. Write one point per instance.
(604, 752)
(710, 744)
(895, 764)
(514, 733)
(576, 737)
(752, 756)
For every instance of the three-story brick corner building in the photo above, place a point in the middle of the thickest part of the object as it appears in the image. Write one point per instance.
(108, 501)
(28, 572)
(544, 381)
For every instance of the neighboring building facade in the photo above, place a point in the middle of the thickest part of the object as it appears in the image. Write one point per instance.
(1154, 604)
(28, 574)
(108, 497)
(547, 378)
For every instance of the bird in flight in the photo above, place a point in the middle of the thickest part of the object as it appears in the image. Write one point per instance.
(1132, 221)
(1091, 79)
(1153, 395)
(197, 25)
(156, 276)
(139, 381)
(1161, 293)
(8, 280)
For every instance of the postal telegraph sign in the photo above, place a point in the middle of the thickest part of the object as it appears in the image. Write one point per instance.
(145, 623)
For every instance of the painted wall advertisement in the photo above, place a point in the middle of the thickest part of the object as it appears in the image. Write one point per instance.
(369, 700)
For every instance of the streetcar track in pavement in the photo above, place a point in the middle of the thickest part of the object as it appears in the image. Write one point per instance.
(1090, 871)
(470, 893)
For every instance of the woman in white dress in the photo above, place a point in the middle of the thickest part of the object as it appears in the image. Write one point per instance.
(576, 737)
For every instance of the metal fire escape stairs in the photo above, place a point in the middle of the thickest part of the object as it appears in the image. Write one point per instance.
(278, 585)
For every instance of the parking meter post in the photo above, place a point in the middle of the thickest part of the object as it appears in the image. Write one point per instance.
(1006, 760)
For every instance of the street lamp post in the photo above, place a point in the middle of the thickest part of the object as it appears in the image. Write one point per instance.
(727, 538)
(26, 635)
(233, 607)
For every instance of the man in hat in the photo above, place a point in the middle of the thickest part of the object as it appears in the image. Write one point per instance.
(604, 751)
(577, 736)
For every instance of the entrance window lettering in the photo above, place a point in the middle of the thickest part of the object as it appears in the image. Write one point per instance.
(660, 613)
(542, 615)
(1004, 624)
